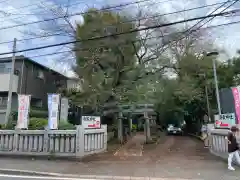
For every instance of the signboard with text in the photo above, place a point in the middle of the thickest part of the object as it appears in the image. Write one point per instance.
(224, 120)
(53, 110)
(23, 111)
(91, 122)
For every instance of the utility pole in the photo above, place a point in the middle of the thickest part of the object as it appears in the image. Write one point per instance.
(216, 86)
(9, 103)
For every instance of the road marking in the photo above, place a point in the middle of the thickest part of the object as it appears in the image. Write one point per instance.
(40, 177)
(96, 178)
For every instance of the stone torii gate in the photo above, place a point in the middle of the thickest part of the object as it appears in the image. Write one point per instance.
(120, 111)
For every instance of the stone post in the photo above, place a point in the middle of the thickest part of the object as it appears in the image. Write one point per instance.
(80, 141)
(120, 127)
(147, 127)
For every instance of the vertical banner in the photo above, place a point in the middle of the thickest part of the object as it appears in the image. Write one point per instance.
(53, 110)
(64, 109)
(235, 93)
(23, 111)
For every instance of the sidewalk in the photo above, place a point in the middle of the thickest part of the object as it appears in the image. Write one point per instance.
(134, 147)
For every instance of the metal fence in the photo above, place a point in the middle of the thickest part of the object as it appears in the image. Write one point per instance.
(68, 143)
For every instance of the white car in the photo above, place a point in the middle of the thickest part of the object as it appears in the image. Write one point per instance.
(174, 130)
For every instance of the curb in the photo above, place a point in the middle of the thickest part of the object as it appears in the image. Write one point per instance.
(27, 172)
(16, 172)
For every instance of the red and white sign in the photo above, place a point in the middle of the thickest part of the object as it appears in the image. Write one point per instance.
(224, 120)
(91, 122)
(23, 111)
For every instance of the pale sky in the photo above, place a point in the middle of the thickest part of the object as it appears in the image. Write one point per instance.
(15, 12)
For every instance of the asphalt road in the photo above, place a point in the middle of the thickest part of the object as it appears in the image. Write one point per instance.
(173, 158)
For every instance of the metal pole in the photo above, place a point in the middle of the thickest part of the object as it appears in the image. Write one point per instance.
(216, 86)
(9, 103)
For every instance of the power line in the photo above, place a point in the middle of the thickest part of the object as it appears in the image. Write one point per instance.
(74, 4)
(128, 21)
(107, 8)
(34, 14)
(154, 37)
(128, 32)
(36, 4)
(214, 12)
(209, 16)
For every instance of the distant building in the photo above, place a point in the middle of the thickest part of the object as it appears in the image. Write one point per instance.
(30, 78)
(74, 83)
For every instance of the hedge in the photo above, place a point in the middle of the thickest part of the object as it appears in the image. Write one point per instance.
(32, 113)
(39, 124)
(38, 121)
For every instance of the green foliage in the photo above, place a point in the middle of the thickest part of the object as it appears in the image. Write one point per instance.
(63, 125)
(107, 66)
(37, 123)
(185, 95)
(12, 122)
(38, 114)
(32, 113)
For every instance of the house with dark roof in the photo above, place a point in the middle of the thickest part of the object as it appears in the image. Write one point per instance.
(29, 78)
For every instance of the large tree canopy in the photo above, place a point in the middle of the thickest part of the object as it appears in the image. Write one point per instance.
(107, 66)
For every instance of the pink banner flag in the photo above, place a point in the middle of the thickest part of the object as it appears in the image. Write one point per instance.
(236, 103)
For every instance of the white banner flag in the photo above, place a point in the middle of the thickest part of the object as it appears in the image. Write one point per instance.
(53, 110)
(23, 111)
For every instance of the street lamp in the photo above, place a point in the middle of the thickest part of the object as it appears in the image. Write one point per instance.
(215, 53)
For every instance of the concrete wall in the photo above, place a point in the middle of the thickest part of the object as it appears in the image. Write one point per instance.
(218, 143)
(67, 143)
(4, 108)
(5, 79)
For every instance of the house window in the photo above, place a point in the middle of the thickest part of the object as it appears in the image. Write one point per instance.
(16, 72)
(40, 74)
(36, 103)
(2, 68)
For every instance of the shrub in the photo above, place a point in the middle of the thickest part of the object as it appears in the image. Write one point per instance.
(33, 113)
(63, 125)
(12, 121)
(37, 123)
(38, 114)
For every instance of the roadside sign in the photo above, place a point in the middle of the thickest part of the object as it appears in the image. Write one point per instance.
(224, 120)
(91, 122)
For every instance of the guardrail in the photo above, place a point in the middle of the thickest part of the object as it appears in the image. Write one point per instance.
(62, 143)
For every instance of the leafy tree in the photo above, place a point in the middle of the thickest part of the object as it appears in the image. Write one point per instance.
(185, 94)
(115, 68)
(103, 65)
